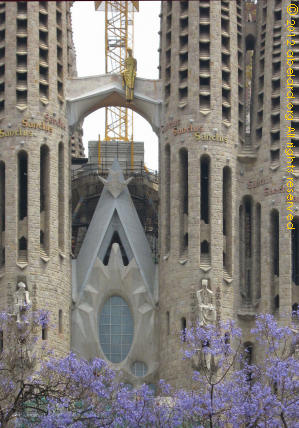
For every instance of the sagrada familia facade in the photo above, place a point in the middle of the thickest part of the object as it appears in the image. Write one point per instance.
(124, 262)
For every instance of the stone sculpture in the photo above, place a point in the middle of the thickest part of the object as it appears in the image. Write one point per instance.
(21, 301)
(207, 310)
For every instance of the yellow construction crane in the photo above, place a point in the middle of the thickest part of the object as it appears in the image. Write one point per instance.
(119, 37)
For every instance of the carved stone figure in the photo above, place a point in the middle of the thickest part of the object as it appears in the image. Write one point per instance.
(207, 310)
(21, 300)
(129, 75)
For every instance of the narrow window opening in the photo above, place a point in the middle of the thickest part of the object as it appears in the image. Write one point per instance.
(227, 215)
(1, 342)
(44, 332)
(43, 19)
(204, 12)
(275, 154)
(61, 196)
(184, 200)
(184, 41)
(23, 172)
(186, 240)
(248, 227)
(60, 321)
(276, 301)
(168, 323)
(245, 250)
(184, 6)
(183, 93)
(183, 59)
(167, 197)
(23, 244)
(258, 251)
(43, 37)
(183, 75)
(275, 242)
(44, 197)
(204, 247)
(59, 35)
(295, 313)
(204, 49)
(167, 91)
(184, 23)
(183, 328)
(59, 53)
(204, 184)
(204, 32)
(168, 73)
(204, 102)
(22, 6)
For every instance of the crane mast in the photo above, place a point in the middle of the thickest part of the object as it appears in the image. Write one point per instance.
(119, 37)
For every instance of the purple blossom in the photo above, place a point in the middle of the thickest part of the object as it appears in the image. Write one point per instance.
(228, 389)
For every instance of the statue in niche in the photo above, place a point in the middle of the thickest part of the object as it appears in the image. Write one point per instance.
(207, 310)
(21, 301)
(129, 75)
(207, 315)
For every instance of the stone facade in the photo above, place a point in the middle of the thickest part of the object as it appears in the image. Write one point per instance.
(115, 263)
(35, 152)
(222, 163)
(219, 108)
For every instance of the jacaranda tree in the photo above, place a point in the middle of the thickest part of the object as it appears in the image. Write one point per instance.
(229, 389)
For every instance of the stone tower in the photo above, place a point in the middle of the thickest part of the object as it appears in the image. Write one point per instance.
(35, 59)
(198, 152)
(223, 165)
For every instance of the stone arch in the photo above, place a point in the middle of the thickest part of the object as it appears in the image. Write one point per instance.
(88, 94)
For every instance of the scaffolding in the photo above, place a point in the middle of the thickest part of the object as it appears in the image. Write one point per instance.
(119, 37)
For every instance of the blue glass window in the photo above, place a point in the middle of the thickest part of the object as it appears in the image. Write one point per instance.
(116, 329)
(139, 368)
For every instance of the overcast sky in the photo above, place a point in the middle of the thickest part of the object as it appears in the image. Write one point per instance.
(89, 39)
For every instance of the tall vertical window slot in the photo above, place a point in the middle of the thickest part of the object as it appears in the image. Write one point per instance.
(167, 323)
(275, 242)
(23, 184)
(167, 198)
(258, 251)
(184, 200)
(274, 257)
(61, 196)
(241, 249)
(60, 321)
(248, 247)
(227, 220)
(295, 251)
(44, 199)
(22, 206)
(245, 249)
(205, 227)
(2, 214)
(204, 187)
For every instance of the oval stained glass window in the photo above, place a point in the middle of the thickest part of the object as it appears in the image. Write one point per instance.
(116, 329)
